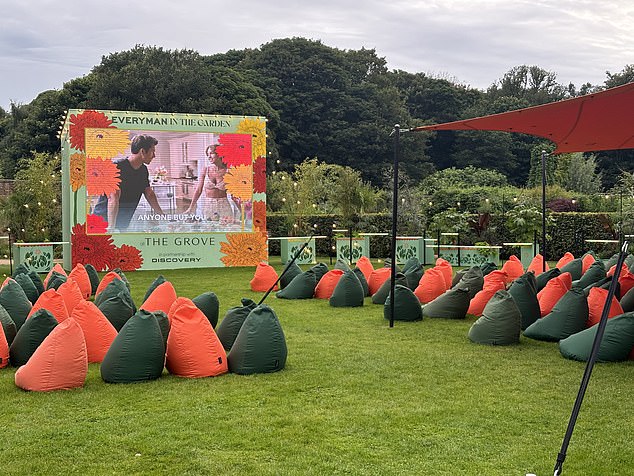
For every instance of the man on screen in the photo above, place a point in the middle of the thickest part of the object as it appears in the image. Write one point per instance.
(118, 208)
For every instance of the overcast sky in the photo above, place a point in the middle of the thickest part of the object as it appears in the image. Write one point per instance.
(44, 43)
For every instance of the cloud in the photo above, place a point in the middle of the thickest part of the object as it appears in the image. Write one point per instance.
(45, 43)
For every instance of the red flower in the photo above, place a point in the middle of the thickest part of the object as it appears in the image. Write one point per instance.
(259, 216)
(259, 175)
(126, 258)
(96, 225)
(79, 122)
(91, 249)
(235, 149)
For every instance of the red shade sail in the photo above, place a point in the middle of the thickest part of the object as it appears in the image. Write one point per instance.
(599, 121)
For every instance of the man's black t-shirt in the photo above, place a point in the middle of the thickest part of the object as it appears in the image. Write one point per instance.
(133, 184)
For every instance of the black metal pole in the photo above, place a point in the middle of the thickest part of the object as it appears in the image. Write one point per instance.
(543, 250)
(10, 253)
(397, 146)
(621, 237)
(561, 457)
(350, 255)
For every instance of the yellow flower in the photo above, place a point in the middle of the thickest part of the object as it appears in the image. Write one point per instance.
(77, 171)
(257, 129)
(106, 143)
(244, 249)
(239, 182)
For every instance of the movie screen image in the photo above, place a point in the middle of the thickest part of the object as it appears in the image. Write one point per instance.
(168, 182)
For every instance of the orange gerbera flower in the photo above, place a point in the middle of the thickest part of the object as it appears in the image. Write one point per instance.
(244, 249)
(257, 129)
(239, 182)
(79, 122)
(77, 171)
(102, 177)
(106, 143)
(259, 215)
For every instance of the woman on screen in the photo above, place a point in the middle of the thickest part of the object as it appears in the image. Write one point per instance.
(215, 204)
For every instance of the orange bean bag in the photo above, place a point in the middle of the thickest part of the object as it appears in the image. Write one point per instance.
(565, 259)
(447, 271)
(193, 348)
(53, 302)
(80, 275)
(265, 276)
(480, 300)
(57, 268)
(71, 293)
(161, 299)
(586, 262)
(106, 280)
(4, 349)
(553, 292)
(98, 331)
(431, 285)
(377, 278)
(497, 276)
(537, 265)
(365, 265)
(513, 268)
(59, 363)
(626, 281)
(327, 283)
(596, 301)
(624, 270)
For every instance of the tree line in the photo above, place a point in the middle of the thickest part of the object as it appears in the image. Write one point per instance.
(337, 105)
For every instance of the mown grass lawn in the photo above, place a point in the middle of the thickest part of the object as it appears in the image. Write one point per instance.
(356, 397)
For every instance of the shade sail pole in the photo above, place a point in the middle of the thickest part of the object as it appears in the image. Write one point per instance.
(397, 147)
(594, 353)
(543, 211)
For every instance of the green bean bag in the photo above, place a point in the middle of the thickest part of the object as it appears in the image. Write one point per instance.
(362, 280)
(627, 301)
(453, 304)
(208, 303)
(629, 260)
(160, 279)
(28, 287)
(569, 316)
(342, 265)
(37, 281)
(20, 269)
(30, 336)
(137, 353)
(500, 323)
(472, 280)
(164, 325)
(117, 308)
(594, 274)
(524, 293)
(611, 261)
(301, 287)
(113, 288)
(230, 325)
(292, 271)
(13, 299)
(320, 270)
(8, 326)
(414, 275)
(348, 292)
(93, 276)
(546, 276)
(575, 268)
(123, 277)
(260, 346)
(488, 267)
(458, 276)
(406, 305)
(56, 280)
(380, 296)
(410, 263)
(616, 344)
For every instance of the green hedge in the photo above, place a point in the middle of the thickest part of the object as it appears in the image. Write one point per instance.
(567, 233)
